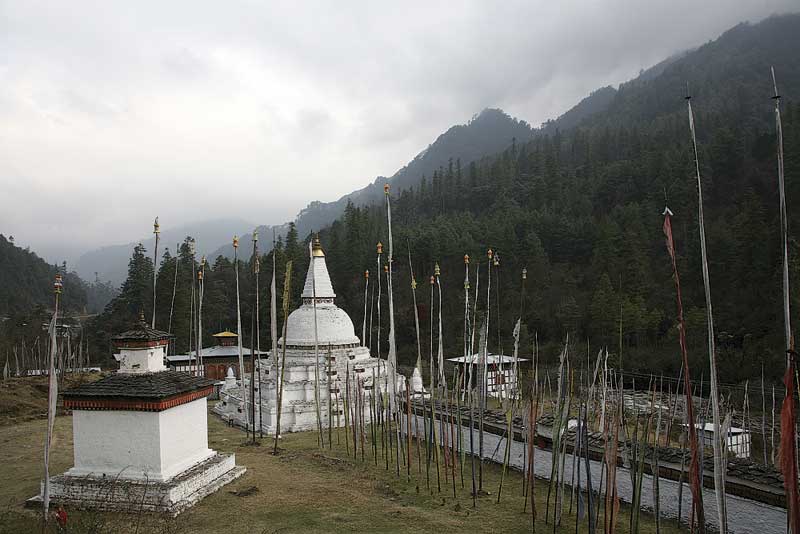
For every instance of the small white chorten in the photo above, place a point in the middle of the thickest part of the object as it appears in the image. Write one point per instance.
(141, 435)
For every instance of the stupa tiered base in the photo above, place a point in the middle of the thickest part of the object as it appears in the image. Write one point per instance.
(125, 495)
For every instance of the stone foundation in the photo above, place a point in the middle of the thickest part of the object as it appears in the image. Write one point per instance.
(119, 494)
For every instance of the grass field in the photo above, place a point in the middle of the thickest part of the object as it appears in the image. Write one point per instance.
(303, 489)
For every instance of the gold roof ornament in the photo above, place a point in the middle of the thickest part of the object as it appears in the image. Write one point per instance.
(225, 333)
(433, 280)
(380, 247)
(386, 268)
(236, 241)
(57, 284)
(413, 283)
(366, 274)
(156, 227)
(386, 189)
(316, 247)
(200, 275)
(466, 259)
(490, 253)
(436, 270)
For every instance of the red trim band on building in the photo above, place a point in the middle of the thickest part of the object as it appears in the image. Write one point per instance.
(139, 405)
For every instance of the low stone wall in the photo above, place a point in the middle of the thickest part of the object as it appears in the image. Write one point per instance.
(745, 516)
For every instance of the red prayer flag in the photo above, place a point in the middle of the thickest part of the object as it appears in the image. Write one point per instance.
(788, 462)
(694, 463)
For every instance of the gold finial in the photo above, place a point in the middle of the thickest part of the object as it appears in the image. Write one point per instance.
(524, 273)
(380, 247)
(316, 247)
(466, 284)
(413, 283)
(433, 280)
(366, 274)
(386, 189)
(156, 227)
(58, 284)
(466, 259)
(255, 235)
(236, 241)
(386, 268)
(200, 275)
(489, 253)
(436, 270)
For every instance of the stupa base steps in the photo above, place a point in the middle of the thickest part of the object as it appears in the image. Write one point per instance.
(125, 495)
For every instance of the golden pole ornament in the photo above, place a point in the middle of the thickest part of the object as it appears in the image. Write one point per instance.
(236, 241)
(380, 247)
(386, 189)
(466, 259)
(433, 280)
(156, 227)
(58, 284)
(366, 274)
(490, 253)
(436, 270)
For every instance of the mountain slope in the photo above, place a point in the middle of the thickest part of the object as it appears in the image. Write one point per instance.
(581, 209)
(26, 281)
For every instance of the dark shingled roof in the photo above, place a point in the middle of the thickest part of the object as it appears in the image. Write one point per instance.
(142, 332)
(140, 386)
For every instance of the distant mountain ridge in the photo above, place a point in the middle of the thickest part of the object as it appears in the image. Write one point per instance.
(111, 262)
(487, 133)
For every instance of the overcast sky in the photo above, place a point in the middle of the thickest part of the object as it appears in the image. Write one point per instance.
(114, 112)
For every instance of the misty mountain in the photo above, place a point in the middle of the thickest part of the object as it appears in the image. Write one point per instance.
(487, 133)
(111, 263)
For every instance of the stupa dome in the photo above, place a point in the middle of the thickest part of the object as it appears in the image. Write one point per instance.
(334, 326)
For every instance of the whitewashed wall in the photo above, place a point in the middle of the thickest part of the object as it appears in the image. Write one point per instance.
(184, 437)
(140, 445)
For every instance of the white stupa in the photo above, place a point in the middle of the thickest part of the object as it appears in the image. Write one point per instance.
(141, 436)
(340, 356)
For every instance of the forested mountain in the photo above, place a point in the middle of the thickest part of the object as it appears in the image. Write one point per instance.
(26, 281)
(581, 209)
